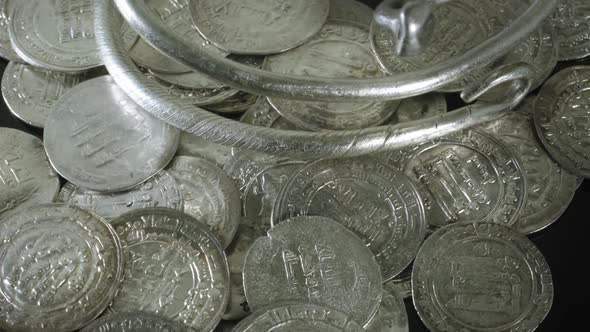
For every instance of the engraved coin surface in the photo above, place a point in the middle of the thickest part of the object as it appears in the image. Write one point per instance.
(340, 50)
(259, 26)
(419, 107)
(195, 146)
(209, 195)
(6, 50)
(375, 201)
(137, 321)
(264, 115)
(350, 10)
(159, 191)
(392, 315)
(481, 277)
(561, 113)
(299, 317)
(99, 139)
(60, 268)
(175, 267)
(26, 178)
(572, 22)
(316, 260)
(465, 176)
(56, 35)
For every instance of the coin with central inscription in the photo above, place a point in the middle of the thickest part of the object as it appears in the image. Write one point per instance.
(175, 267)
(315, 260)
(60, 267)
(99, 139)
(6, 50)
(481, 277)
(137, 321)
(392, 315)
(571, 20)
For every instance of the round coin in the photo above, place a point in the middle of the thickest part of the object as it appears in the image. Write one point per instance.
(264, 115)
(136, 321)
(375, 201)
(481, 277)
(350, 10)
(572, 22)
(99, 139)
(175, 268)
(419, 107)
(392, 315)
(6, 50)
(26, 178)
(60, 267)
(316, 260)
(195, 146)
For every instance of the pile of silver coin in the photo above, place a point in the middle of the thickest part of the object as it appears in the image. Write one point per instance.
(119, 221)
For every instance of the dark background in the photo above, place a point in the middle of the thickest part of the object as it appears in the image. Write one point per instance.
(563, 243)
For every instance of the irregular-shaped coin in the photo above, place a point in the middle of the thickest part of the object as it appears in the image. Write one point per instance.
(137, 321)
(481, 277)
(392, 315)
(419, 107)
(61, 266)
(175, 267)
(572, 22)
(195, 146)
(6, 50)
(264, 115)
(350, 10)
(98, 138)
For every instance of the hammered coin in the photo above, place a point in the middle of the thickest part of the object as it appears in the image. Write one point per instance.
(175, 268)
(316, 260)
(195, 146)
(418, 108)
(571, 20)
(561, 113)
(137, 321)
(99, 139)
(264, 115)
(26, 178)
(159, 191)
(209, 195)
(392, 315)
(350, 10)
(6, 50)
(341, 50)
(61, 266)
(375, 201)
(481, 277)
(306, 317)
(464, 176)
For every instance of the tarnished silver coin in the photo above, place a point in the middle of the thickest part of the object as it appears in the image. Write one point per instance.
(375, 201)
(401, 284)
(30, 92)
(481, 277)
(26, 178)
(350, 10)
(306, 317)
(159, 191)
(465, 176)
(137, 321)
(209, 195)
(561, 111)
(550, 188)
(6, 50)
(99, 139)
(60, 267)
(56, 35)
(316, 260)
(572, 22)
(237, 104)
(419, 107)
(264, 115)
(392, 315)
(195, 146)
(175, 267)
(259, 26)
(340, 50)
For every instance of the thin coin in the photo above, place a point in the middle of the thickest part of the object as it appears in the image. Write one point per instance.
(417, 108)
(264, 115)
(392, 315)
(6, 50)
(235, 105)
(195, 146)
(572, 22)
(137, 321)
(401, 284)
(350, 10)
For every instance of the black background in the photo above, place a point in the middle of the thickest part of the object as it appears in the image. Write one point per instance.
(564, 244)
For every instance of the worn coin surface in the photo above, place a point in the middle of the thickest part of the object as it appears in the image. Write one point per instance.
(401, 284)
(137, 321)
(316, 260)
(481, 277)
(195, 146)
(209, 195)
(350, 10)
(264, 115)
(159, 191)
(340, 50)
(175, 267)
(26, 178)
(299, 317)
(60, 267)
(237, 104)
(259, 26)
(6, 50)
(392, 315)
(98, 138)
(572, 22)
(419, 107)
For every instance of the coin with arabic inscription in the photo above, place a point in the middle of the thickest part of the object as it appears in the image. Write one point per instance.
(316, 260)
(60, 267)
(6, 50)
(350, 10)
(419, 107)
(392, 315)
(481, 277)
(195, 146)
(136, 321)
(264, 115)
(175, 267)
(571, 20)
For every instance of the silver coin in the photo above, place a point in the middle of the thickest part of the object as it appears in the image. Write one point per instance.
(234, 105)
(550, 187)
(96, 137)
(373, 200)
(26, 178)
(245, 165)
(316, 260)
(264, 115)
(481, 277)
(175, 268)
(401, 284)
(392, 315)
(159, 191)
(350, 10)
(6, 50)
(571, 20)
(259, 26)
(137, 321)
(61, 266)
(56, 35)
(195, 146)
(340, 50)
(209, 195)
(465, 176)
(417, 108)
(560, 112)
(30, 92)
(299, 317)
